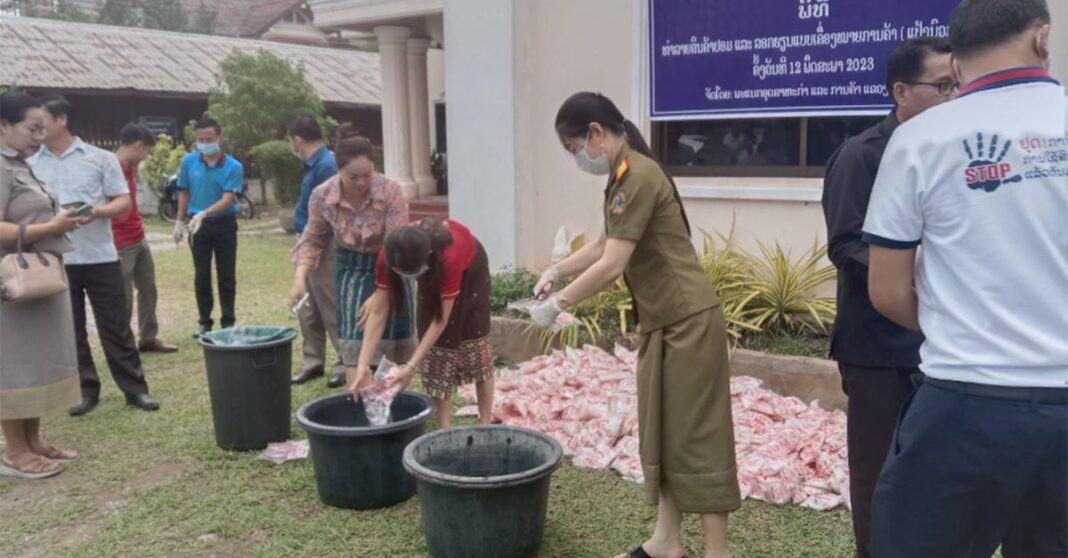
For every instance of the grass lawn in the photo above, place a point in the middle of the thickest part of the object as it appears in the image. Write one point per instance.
(155, 484)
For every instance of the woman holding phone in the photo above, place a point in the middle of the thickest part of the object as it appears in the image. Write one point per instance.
(38, 363)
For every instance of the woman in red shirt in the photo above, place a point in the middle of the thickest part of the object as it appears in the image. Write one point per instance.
(453, 312)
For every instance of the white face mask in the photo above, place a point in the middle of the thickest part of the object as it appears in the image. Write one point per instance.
(599, 166)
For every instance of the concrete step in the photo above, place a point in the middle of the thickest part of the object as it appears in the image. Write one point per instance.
(432, 206)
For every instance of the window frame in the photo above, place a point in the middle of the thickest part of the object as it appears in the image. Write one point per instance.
(801, 170)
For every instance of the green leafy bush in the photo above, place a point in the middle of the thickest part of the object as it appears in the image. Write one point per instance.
(277, 162)
(164, 161)
(511, 285)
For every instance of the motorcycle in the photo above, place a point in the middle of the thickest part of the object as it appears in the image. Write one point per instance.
(168, 201)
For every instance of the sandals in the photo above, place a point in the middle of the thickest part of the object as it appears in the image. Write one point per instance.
(638, 553)
(7, 469)
(58, 455)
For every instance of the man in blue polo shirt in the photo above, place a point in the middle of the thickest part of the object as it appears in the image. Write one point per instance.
(980, 455)
(208, 183)
(318, 315)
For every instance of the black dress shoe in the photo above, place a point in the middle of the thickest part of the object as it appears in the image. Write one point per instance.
(201, 330)
(307, 375)
(142, 401)
(87, 404)
(156, 346)
(337, 380)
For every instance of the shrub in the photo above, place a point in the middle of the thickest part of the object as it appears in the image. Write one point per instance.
(164, 161)
(277, 162)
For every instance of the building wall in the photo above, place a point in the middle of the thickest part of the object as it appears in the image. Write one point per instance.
(1059, 40)
(558, 47)
(481, 115)
(562, 47)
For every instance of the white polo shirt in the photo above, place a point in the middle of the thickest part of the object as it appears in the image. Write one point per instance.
(981, 183)
(84, 173)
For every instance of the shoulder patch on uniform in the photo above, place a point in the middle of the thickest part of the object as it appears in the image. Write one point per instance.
(622, 169)
(619, 203)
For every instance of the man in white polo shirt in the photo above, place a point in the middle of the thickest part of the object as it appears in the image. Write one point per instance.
(980, 456)
(81, 173)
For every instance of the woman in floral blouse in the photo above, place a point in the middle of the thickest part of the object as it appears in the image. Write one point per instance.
(359, 207)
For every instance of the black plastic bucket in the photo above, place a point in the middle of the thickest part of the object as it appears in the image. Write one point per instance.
(250, 389)
(483, 490)
(359, 466)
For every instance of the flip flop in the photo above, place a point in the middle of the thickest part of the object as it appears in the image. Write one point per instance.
(9, 470)
(55, 454)
(640, 553)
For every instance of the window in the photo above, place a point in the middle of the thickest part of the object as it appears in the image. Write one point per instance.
(783, 147)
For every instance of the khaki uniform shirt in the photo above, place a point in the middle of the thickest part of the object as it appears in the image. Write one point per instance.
(664, 274)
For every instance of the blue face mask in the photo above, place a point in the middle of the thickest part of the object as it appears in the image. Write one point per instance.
(412, 276)
(208, 149)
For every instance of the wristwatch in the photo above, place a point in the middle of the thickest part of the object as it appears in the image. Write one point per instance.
(562, 302)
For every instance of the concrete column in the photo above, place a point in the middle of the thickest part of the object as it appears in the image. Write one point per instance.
(396, 130)
(479, 83)
(419, 116)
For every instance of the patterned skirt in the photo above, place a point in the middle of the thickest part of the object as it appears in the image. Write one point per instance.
(464, 352)
(355, 284)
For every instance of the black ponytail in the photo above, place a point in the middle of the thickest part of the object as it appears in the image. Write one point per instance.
(581, 109)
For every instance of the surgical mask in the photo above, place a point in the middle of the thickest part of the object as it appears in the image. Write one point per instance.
(208, 149)
(412, 276)
(599, 166)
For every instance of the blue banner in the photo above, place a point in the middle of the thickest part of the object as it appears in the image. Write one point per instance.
(759, 58)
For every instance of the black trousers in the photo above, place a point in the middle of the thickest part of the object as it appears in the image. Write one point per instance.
(216, 238)
(103, 284)
(875, 399)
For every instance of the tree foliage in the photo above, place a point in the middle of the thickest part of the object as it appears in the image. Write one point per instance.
(257, 95)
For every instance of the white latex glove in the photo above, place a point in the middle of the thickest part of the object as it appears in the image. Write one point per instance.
(546, 283)
(195, 222)
(179, 232)
(544, 313)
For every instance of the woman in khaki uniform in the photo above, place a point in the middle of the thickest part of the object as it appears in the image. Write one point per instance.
(684, 411)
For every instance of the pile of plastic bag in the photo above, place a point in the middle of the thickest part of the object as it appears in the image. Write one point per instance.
(788, 452)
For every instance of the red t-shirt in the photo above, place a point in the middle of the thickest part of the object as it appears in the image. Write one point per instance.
(455, 259)
(129, 229)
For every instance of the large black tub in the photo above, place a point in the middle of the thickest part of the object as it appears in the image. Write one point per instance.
(359, 466)
(483, 490)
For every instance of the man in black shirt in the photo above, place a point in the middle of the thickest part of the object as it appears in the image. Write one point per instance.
(877, 358)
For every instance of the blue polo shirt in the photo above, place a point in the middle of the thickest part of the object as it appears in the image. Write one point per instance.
(319, 168)
(207, 183)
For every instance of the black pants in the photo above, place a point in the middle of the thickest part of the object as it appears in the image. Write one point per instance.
(103, 284)
(968, 472)
(217, 237)
(875, 399)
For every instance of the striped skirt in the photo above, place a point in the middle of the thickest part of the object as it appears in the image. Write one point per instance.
(355, 284)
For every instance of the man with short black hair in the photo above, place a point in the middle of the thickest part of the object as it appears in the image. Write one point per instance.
(83, 174)
(980, 455)
(318, 315)
(138, 267)
(877, 358)
(208, 183)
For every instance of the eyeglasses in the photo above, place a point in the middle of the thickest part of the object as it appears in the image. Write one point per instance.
(35, 131)
(944, 87)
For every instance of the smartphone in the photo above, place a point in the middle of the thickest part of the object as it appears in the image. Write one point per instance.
(81, 208)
